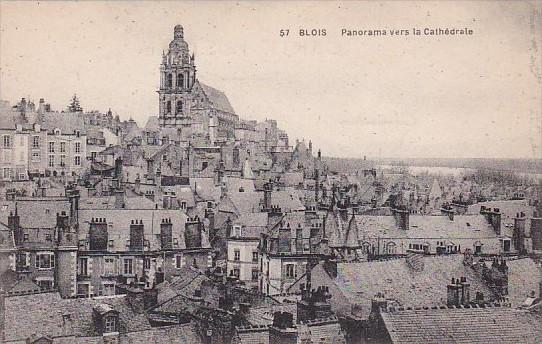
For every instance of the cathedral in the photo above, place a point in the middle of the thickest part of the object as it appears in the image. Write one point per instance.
(187, 104)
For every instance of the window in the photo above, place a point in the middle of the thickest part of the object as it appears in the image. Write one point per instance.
(48, 237)
(109, 266)
(146, 263)
(51, 161)
(77, 133)
(183, 205)
(255, 274)
(254, 256)
(77, 160)
(36, 156)
(51, 147)
(109, 288)
(78, 147)
(168, 106)
(236, 255)
(169, 80)
(290, 271)
(7, 155)
(83, 266)
(93, 155)
(25, 237)
(128, 266)
(22, 261)
(45, 260)
(180, 80)
(7, 141)
(83, 289)
(209, 205)
(179, 261)
(110, 324)
(45, 284)
(62, 160)
(235, 272)
(7, 173)
(62, 147)
(236, 230)
(179, 106)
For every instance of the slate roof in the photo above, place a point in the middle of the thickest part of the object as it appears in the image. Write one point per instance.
(44, 315)
(426, 226)
(524, 276)
(120, 220)
(67, 122)
(360, 282)
(217, 98)
(234, 184)
(252, 224)
(35, 212)
(495, 325)
(6, 239)
(108, 202)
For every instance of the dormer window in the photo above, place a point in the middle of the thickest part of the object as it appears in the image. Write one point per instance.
(77, 133)
(106, 318)
(110, 324)
(57, 132)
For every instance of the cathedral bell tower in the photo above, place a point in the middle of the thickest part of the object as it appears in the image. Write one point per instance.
(177, 77)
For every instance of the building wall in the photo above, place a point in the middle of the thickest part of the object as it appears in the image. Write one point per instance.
(245, 264)
(70, 153)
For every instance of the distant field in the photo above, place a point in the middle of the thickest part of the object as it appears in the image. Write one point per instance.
(350, 165)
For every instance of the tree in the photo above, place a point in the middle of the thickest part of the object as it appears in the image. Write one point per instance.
(74, 105)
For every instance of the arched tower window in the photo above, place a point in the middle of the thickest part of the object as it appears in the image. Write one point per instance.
(179, 106)
(170, 80)
(168, 106)
(180, 80)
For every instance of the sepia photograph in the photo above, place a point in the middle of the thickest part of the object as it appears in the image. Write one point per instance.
(269, 172)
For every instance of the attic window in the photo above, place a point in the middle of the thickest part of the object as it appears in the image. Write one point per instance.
(110, 324)
(241, 189)
(77, 133)
(57, 132)
(468, 224)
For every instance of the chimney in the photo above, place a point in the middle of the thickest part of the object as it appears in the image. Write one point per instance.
(73, 197)
(41, 107)
(519, 233)
(14, 225)
(119, 199)
(137, 185)
(330, 266)
(448, 211)
(166, 234)
(137, 239)
(283, 330)
(454, 292)
(401, 218)
(192, 235)
(98, 236)
(378, 303)
(62, 221)
(268, 188)
(118, 169)
(166, 201)
(465, 291)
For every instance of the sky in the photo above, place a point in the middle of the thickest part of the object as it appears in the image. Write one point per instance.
(388, 96)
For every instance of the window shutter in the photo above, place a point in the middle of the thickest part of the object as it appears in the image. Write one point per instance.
(52, 260)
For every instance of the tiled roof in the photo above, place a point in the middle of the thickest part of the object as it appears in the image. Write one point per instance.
(253, 224)
(360, 282)
(495, 325)
(205, 189)
(217, 98)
